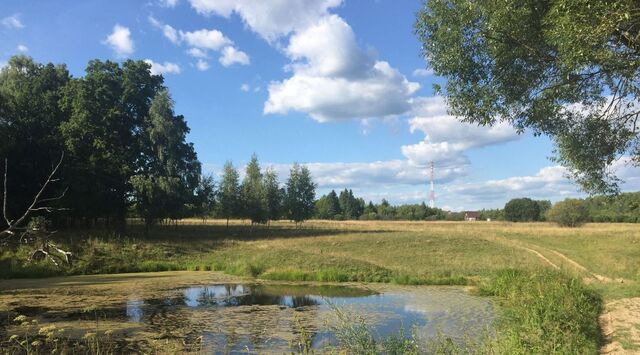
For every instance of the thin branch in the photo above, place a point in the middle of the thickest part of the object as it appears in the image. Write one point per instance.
(61, 196)
(14, 224)
(4, 202)
(36, 199)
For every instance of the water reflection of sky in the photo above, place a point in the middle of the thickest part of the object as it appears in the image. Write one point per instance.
(134, 310)
(432, 311)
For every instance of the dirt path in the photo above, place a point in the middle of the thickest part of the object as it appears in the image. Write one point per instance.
(620, 324)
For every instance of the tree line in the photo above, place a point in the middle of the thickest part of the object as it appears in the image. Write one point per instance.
(345, 206)
(123, 150)
(259, 197)
(623, 207)
(123, 145)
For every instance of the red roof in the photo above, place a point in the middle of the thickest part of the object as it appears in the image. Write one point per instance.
(471, 214)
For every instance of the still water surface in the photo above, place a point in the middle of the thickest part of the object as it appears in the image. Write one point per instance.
(263, 317)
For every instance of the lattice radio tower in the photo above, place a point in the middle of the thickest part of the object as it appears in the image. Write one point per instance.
(432, 194)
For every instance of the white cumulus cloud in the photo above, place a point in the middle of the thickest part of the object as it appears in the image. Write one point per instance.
(270, 19)
(231, 55)
(549, 182)
(22, 48)
(205, 39)
(120, 41)
(446, 137)
(197, 53)
(341, 175)
(201, 42)
(163, 68)
(334, 79)
(332, 76)
(202, 65)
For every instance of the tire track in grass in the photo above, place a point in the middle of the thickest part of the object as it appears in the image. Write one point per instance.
(539, 255)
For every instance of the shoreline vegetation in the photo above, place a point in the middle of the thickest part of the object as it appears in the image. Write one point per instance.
(551, 305)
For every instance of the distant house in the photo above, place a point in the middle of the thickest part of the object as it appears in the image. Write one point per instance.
(471, 215)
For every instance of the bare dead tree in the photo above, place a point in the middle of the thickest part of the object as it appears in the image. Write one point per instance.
(45, 248)
(15, 225)
(38, 231)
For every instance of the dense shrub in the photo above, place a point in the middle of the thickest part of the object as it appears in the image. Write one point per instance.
(569, 213)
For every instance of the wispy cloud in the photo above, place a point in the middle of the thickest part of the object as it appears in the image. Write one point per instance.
(422, 72)
(12, 22)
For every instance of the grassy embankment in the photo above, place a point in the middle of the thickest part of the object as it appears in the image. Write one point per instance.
(554, 309)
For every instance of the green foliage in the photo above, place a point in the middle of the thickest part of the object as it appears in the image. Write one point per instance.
(522, 210)
(252, 193)
(328, 207)
(569, 213)
(205, 201)
(165, 184)
(492, 214)
(351, 207)
(543, 207)
(565, 68)
(229, 193)
(300, 194)
(546, 312)
(624, 207)
(272, 195)
(123, 145)
(107, 131)
(30, 117)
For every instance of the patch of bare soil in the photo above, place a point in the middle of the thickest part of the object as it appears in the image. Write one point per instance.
(620, 324)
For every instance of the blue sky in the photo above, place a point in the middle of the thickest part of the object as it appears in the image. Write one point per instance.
(337, 84)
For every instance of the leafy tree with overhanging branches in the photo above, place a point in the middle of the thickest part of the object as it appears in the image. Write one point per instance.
(569, 69)
(165, 184)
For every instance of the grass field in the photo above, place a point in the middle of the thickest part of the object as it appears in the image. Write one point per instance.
(604, 256)
(404, 252)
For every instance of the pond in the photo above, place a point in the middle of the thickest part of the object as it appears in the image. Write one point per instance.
(222, 314)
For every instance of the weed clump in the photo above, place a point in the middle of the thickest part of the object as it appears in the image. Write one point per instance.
(545, 312)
